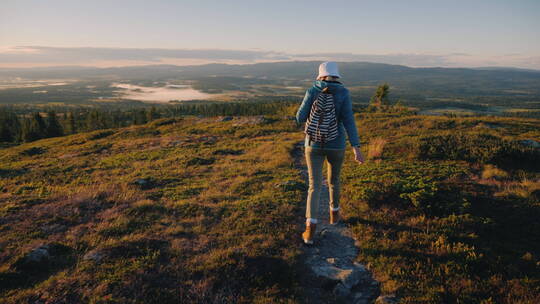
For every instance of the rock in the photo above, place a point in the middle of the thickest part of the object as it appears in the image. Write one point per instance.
(348, 277)
(94, 255)
(386, 299)
(38, 255)
(144, 183)
(41, 257)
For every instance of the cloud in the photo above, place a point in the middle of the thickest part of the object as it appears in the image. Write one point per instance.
(33, 56)
(77, 55)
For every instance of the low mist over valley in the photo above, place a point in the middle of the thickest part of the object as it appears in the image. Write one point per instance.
(491, 90)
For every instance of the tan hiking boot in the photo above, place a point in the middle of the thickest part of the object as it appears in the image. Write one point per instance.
(334, 216)
(309, 234)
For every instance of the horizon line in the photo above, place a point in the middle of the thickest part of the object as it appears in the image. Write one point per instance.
(28, 56)
(43, 67)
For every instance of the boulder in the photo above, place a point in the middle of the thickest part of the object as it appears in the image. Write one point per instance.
(41, 258)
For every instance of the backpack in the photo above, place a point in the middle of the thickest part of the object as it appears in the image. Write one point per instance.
(321, 125)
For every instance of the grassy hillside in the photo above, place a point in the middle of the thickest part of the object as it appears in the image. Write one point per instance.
(447, 210)
(197, 210)
(176, 211)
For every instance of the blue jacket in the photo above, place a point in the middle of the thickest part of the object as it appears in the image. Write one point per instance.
(344, 114)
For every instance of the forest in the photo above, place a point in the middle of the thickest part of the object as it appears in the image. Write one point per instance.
(33, 125)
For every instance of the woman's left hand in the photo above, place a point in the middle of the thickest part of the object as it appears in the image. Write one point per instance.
(358, 157)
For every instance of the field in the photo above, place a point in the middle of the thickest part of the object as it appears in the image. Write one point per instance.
(202, 210)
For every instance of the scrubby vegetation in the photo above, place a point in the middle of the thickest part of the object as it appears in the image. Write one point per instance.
(447, 209)
(190, 210)
(202, 210)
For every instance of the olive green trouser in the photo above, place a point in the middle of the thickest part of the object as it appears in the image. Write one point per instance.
(315, 159)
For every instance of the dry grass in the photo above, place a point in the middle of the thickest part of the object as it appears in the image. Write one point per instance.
(492, 172)
(527, 189)
(376, 147)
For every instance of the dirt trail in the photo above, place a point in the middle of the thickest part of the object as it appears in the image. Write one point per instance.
(331, 274)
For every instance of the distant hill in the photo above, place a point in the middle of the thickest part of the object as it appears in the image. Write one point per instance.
(499, 85)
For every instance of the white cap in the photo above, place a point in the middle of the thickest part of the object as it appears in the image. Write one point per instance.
(328, 68)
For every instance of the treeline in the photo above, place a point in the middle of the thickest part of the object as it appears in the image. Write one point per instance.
(523, 114)
(17, 128)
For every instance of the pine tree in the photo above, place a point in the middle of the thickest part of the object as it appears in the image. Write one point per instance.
(152, 114)
(93, 121)
(6, 132)
(34, 128)
(54, 128)
(139, 117)
(117, 118)
(380, 97)
(71, 124)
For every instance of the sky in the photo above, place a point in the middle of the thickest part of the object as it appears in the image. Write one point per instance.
(455, 33)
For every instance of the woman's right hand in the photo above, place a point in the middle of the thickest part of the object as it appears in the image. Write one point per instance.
(358, 157)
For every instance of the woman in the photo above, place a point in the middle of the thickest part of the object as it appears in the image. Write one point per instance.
(333, 150)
